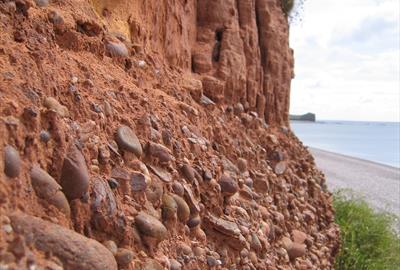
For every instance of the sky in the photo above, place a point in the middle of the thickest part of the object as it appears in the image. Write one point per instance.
(347, 57)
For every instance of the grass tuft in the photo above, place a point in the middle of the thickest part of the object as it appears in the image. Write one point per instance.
(368, 238)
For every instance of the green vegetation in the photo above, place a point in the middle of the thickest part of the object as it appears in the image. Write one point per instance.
(368, 239)
(293, 10)
(287, 6)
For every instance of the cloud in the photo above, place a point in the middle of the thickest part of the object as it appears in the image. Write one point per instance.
(373, 35)
(347, 60)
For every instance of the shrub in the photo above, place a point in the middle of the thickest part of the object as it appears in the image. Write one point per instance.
(368, 237)
(287, 6)
(293, 10)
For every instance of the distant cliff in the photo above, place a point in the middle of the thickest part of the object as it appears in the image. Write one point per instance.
(304, 117)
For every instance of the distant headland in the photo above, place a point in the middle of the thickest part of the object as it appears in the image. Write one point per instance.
(304, 117)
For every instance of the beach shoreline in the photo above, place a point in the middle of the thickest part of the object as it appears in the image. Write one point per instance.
(378, 183)
(345, 156)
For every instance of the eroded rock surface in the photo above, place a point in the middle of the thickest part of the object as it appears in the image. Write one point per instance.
(160, 129)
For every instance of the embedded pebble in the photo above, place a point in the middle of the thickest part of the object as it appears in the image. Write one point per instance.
(199, 252)
(169, 207)
(124, 257)
(128, 140)
(199, 234)
(255, 242)
(74, 250)
(113, 183)
(138, 182)
(74, 174)
(194, 221)
(111, 246)
(242, 164)
(108, 111)
(151, 264)
(188, 173)
(174, 264)
(42, 3)
(253, 257)
(238, 108)
(206, 100)
(178, 188)
(162, 153)
(248, 182)
(141, 63)
(296, 250)
(150, 226)
(164, 175)
(116, 49)
(228, 185)
(52, 104)
(183, 210)
(207, 175)
(293, 249)
(211, 261)
(184, 249)
(298, 236)
(154, 191)
(7, 228)
(12, 162)
(48, 189)
(44, 136)
(280, 167)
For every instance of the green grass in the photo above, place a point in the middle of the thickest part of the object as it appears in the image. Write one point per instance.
(368, 239)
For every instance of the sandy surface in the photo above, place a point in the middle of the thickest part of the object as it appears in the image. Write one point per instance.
(378, 183)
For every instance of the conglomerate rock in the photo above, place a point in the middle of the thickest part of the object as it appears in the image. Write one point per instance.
(203, 86)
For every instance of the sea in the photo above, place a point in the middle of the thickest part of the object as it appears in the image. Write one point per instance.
(373, 141)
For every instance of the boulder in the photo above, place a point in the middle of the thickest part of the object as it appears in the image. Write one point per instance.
(74, 250)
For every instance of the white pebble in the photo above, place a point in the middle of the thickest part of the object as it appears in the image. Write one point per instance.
(74, 79)
(7, 228)
(141, 63)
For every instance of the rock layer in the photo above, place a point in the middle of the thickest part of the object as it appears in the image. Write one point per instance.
(238, 49)
(203, 87)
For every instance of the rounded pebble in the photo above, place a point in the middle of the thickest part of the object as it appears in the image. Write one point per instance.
(111, 246)
(194, 221)
(113, 183)
(74, 174)
(128, 140)
(211, 261)
(280, 167)
(44, 136)
(42, 3)
(242, 164)
(183, 211)
(151, 264)
(124, 257)
(174, 264)
(169, 207)
(12, 162)
(116, 49)
(178, 188)
(150, 226)
(138, 182)
(48, 189)
(228, 185)
(296, 250)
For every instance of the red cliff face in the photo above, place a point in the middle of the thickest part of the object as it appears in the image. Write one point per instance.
(238, 49)
(152, 134)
